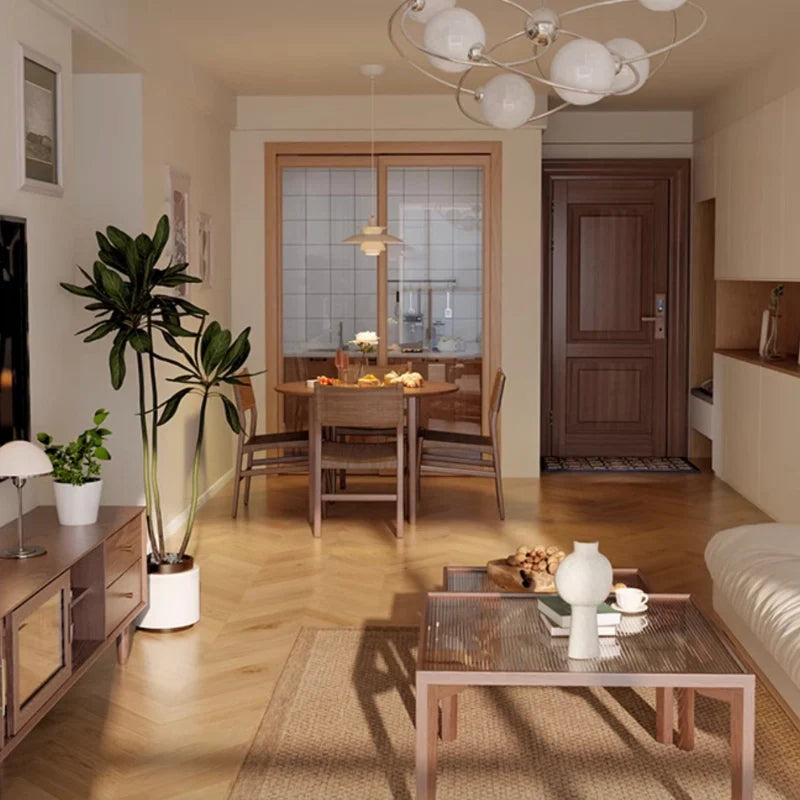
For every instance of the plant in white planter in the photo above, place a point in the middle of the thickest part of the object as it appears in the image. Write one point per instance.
(134, 302)
(76, 472)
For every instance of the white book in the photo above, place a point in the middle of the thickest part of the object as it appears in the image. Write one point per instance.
(557, 630)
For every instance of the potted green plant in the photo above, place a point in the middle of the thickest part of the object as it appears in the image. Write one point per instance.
(134, 302)
(76, 472)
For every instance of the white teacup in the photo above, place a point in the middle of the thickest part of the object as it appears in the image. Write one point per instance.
(631, 599)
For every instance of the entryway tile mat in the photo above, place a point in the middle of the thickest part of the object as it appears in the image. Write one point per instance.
(616, 464)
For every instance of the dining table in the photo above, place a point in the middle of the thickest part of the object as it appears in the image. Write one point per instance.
(305, 389)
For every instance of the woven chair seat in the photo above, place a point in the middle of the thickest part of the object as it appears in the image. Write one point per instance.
(266, 441)
(359, 455)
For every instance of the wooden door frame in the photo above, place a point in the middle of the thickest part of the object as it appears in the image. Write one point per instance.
(677, 172)
(275, 154)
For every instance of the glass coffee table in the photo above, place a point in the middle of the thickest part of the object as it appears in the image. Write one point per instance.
(480, 638)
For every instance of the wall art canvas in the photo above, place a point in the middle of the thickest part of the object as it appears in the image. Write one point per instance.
(40, 117)
(178, 187)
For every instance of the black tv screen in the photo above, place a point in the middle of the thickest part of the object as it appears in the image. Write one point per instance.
(15, 418)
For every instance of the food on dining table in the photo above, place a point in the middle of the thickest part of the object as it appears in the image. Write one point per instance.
(369, 380)
(617, 586)
(324, 380)
(410, 380)
(534, 563)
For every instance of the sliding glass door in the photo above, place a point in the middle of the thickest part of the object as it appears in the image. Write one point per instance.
(426, 298)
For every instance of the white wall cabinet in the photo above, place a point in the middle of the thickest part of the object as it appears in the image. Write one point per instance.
(757, 188)
(757, 435)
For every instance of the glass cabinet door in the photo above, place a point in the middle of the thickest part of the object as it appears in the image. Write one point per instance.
(41, 650)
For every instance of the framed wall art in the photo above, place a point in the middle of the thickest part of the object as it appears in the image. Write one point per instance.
(178, 184)
(205, 260)
(40, 123)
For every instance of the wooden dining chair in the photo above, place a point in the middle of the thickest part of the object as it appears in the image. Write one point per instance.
(338, 407)
(450, 453)
(293, 443)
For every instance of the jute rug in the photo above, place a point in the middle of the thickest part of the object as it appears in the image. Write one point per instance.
(340, 727)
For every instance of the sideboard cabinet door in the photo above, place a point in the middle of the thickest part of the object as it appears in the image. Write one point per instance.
(41, 653)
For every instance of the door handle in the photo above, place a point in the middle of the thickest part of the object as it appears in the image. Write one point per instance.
(649, 319)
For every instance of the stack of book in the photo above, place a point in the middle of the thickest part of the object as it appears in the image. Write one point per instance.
(557, 616)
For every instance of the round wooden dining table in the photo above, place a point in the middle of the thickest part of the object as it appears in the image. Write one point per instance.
(428, 389)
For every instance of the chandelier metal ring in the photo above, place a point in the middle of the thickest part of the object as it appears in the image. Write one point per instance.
(464, 61)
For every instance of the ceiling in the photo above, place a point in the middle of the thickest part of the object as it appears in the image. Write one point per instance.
(313, 47)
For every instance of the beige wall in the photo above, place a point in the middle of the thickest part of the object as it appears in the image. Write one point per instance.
(404, 118)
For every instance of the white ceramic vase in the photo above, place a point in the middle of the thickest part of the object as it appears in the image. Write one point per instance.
(583, 580)
(174, 600)
(78, 505)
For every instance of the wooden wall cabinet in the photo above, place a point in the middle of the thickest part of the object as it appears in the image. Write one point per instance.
(757, 434)
(60, 611)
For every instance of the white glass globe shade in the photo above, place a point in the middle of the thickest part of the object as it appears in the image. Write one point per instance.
(508, 101)
(431, 9)
(631, 77)
(452, 33)
(583, 64)
(22, 459)
(662, 5)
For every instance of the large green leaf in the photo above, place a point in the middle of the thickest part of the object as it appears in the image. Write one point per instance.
(110, 255)
(160, 237)
(140, 341)
(118, 238)
(112, 284)
(171, 406)
(81, 291)
(101, 330)
(231, 415)
(102, 454)
(236, 355)
(214, 346)
(116, 359)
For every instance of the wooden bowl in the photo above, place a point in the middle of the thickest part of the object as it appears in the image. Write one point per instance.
(508, 578)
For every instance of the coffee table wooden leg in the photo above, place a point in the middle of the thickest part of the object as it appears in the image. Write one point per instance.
(427, 719)
(743, 721)
(413, 409)
(664, 715)
(686, 719)
(449, 705)
(124, 646)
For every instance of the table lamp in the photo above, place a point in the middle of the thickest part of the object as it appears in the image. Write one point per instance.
(19, 461)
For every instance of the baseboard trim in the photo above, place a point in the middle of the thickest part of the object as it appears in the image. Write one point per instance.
(175, 525)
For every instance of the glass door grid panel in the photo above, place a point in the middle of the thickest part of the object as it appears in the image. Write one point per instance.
(329, 288)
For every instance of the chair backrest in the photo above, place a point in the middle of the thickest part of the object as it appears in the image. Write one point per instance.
(496, 399)
(245, 399)
(351, 407)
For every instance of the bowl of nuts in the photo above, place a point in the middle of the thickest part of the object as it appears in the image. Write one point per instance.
(529, 569)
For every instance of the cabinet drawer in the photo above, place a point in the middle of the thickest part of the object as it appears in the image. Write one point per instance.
(123, 596)
(122, 549)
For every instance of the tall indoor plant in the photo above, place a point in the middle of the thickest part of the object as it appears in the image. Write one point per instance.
(134, 301)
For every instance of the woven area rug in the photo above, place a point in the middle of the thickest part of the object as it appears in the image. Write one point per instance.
(340, 727)
(615, 464)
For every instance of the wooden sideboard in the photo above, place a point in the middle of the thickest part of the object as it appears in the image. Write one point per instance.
(60, 611)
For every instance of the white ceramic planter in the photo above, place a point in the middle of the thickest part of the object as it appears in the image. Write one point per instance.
(78, 505)
(174, 600)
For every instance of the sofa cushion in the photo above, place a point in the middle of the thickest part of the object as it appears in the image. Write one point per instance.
(757, 570)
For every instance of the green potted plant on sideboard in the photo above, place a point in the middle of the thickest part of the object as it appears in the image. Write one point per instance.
(134, 302)
(76, 472)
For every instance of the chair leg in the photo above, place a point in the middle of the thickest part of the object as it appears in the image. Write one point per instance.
(400, 488)
(248, 479)
(318, 489)
(498, 484)
(237, 481)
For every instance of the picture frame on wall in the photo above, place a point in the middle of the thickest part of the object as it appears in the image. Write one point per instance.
(205, 261)
(178, 186)
(40, 123)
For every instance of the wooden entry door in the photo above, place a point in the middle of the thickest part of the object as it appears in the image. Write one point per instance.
(614, 342)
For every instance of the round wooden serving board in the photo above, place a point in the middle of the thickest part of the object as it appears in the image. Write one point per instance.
(508, 578)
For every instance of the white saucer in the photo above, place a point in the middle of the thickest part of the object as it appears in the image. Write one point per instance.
(642, 608)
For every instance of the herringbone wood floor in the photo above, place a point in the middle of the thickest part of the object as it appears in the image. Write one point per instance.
(176, 722)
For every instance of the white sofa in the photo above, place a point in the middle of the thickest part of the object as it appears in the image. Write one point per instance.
(756, 575)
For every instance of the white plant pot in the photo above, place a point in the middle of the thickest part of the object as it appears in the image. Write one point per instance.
(174, 600)
(78, 505)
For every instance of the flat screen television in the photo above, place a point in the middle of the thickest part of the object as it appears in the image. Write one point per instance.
(15, 415)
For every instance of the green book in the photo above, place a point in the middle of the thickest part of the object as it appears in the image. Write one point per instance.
(558, 610)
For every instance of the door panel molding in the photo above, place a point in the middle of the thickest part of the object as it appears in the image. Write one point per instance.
(632, 180)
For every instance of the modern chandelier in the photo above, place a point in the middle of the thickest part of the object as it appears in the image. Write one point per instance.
(455, 51)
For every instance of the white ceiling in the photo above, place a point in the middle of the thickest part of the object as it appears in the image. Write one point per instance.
(310, 47)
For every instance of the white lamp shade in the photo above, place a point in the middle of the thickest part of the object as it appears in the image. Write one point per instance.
(631, 77)
(662, 5)
(583, 64)
(508, 101)
(22, 459)
(431, 9)
(452, 33)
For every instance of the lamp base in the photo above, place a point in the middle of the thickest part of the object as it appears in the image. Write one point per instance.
(30, 551)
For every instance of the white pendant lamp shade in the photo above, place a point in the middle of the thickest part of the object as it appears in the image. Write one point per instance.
(22, 459)
(508, 101)
(584, 64)
(662, 5)
(430, 8)
(630, 77)
(452, 33)
(373, 238)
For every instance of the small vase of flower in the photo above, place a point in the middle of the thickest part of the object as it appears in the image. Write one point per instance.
(366, 342)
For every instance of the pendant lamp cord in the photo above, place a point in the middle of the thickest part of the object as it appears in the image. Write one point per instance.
(372, 143)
